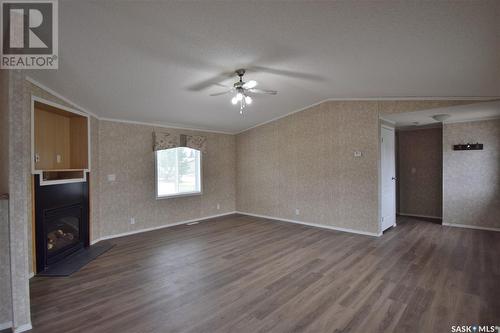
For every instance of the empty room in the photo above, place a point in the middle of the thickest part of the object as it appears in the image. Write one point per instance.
(249, 166)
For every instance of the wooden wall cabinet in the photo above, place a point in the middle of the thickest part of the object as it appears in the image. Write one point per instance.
(60, 147)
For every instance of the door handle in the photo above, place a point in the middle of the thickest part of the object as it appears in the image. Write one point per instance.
(394, 178)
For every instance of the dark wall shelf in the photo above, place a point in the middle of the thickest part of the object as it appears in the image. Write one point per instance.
(469, 146)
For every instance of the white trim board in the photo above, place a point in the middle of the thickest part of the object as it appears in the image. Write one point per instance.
(322, 226)
(178, 126)
(162, 125)
(471, 120)
(6, 325)
(424, 216)
(478, 99)
(441, 125)
(23, 328)
(468, 226)
(61, 97)
(128, 233)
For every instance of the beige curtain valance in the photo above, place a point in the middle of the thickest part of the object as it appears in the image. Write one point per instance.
(164, 140)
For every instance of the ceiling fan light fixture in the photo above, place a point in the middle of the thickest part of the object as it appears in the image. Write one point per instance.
(250, 84)
(441, 117)
(241, 89)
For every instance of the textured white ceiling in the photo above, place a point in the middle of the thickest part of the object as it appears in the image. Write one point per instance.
(145, 61)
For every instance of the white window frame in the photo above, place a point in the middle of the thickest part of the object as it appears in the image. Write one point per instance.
(180, 195)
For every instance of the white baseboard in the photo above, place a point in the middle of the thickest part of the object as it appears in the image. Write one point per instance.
(6, 325)
(468, 226)
(23, 328)
(128, 233)
(424, 216)
(352, 231)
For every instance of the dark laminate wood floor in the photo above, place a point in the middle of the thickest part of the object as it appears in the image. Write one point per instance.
(243, 274)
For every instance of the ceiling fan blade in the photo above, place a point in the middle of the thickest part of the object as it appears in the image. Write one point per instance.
(288, 73)
(262, 91)
(215, 80)
(250, 84)
(222, 93)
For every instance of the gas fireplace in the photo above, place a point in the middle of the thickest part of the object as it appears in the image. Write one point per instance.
(61, 213)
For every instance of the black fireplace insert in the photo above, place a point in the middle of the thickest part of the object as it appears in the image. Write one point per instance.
(62, 224)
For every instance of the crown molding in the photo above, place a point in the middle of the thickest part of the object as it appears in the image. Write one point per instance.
(165, 125)
(440, 125)
(472, 120)
(85, 110)
(185, 127)
(61, 97)
(367, 99)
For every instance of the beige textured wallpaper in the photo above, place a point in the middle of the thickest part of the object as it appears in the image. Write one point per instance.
(420, 183)
(306, 161)
(19, 197)
(471, 179)
(4, 133)
(5, 296)
(5, 304)
(125, 150)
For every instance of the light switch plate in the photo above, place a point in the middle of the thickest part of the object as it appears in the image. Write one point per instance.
(111, 178)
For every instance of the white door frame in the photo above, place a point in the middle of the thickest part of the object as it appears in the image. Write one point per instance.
(391, 126)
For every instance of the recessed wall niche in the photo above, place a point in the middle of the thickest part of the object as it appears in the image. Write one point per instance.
(60, 143)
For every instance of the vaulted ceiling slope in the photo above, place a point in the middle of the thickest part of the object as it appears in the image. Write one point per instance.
(155, 61)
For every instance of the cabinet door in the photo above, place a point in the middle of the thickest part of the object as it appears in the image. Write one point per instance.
(51, 141)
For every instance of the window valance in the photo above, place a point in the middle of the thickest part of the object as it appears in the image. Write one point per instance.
(164, 140)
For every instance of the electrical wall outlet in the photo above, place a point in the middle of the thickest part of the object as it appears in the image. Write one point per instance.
(297, 211)
(358, 154)
(218, 206)
(132, 220)
(111, 178)
(58, 158)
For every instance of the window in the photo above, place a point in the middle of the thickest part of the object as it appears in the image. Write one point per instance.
(178, 172)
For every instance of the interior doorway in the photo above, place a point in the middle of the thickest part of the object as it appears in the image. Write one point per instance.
(419, 170)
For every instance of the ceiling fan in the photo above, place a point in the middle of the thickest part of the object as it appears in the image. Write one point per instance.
(243, 90)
